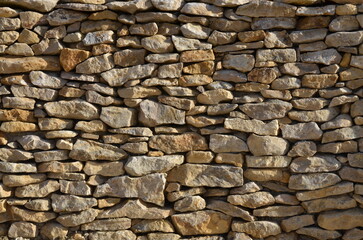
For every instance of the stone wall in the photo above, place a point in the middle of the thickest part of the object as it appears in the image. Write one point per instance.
(173, 119)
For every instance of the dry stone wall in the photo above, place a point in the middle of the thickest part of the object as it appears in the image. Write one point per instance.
(167, 120)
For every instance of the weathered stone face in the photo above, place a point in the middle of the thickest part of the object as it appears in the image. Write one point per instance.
(159, 119)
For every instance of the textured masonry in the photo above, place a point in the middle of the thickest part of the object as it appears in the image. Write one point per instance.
(181, 119)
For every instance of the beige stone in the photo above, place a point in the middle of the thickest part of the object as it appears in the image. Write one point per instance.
(195, 175)
(257, 229)
(268, 161)
(76, 109)
(202, 9)
(22, 180)
(107, 169)
(267, 110)
(265, 175)
(136, 166)
(86, 150)
(39, 190)
(38, 5)
(330, 203)
(201, 222)
(262, 8)
(190, 204)
(242, 63)
(63, 16)
(31, 216)
(344, 39)
(71, 203)
(267, 145)
(157, 44)
(148, 188)
(22, 229)
(76, 219)
(96, 64)
(317, 163)
(199, 157)
(322, 115)
(197, 56)
(53, 230)
(313, 181)
(252, 200)
(108, 224)
(341, 220)
(136, 209)
(319, 81)
(226, 143)
(121, 234)
(214, 96)
(297, 222)
(319, 233)
(152, 114)
(178, 143)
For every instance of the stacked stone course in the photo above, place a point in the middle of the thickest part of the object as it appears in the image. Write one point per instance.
(181, 119)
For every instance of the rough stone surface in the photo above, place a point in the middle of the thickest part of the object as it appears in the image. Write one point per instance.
(202, 222)
(200, 120)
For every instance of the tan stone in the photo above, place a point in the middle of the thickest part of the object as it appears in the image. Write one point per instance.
(71, 203)
(136, 209)
(227, 143)
(267, 145)
(267, 110)
(107, 169)
(190, 204)
(297, 222)
(178, 143)
(108, 224)
(257, 229)
(341, 220)
(22, 229)
(319, 81)
(70, 58)
(313, 181)
(262, 8)
(319, 233)
(86, 150)
(31, 216)
(199, 157)
(27, 64)
(322, 115)
(253, 126)
(148, 188)
(264, 175)
(76, 219)
(235, 159)
(76, 109)
(12, 127)
(278, 211)
(39, 190)
(202, 222)
(17, 115)
(215, 96)
(202, 9)
(330, 203)
(252, 200)
(338, 189)
(38, 5)
(22, 180)
(351, 174)
(121, 234)
(53, 230)
(195, 175)
(197, 56)
(268, 161)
